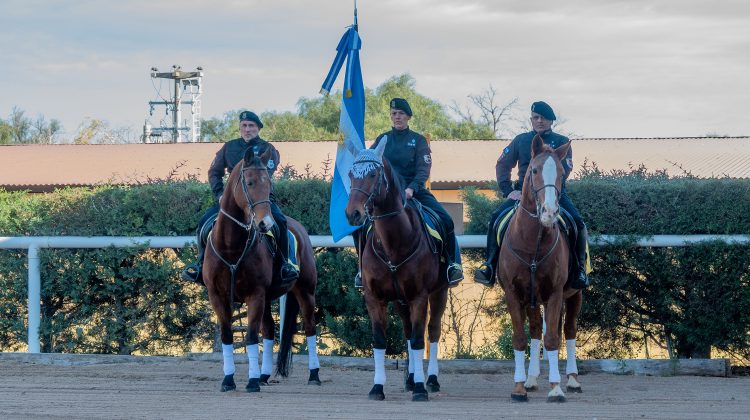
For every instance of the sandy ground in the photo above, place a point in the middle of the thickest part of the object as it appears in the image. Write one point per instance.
(185, 388)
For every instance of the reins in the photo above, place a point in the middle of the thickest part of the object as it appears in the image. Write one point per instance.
(534, 263)
(252, 231)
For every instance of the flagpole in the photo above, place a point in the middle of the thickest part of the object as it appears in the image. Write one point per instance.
(355, 15)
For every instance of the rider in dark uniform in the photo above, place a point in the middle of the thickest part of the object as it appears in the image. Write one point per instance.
(409, 155)
(519, 152)
(230, 154)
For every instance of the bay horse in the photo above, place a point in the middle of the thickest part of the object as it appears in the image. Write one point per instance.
(239, 268)
(533, 267)
(398, 264)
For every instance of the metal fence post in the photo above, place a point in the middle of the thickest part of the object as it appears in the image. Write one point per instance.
(35, 296)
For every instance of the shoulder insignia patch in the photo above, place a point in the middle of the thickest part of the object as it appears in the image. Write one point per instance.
(271, 164)
(427, 159)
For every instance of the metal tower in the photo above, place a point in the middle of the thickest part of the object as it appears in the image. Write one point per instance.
(185, 83)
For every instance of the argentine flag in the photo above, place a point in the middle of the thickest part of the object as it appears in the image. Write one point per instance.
(351, 124)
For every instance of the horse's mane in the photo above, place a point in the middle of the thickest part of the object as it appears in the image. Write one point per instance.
(368, 160)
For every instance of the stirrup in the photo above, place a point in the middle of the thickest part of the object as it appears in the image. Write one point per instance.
(484, 275)
(192, 273)
(581, 281)
(358, 280)
(455, 274)
(288, 274)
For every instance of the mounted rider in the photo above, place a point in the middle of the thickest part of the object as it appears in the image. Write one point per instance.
(410, 157)
(518, 153)
(231, 153)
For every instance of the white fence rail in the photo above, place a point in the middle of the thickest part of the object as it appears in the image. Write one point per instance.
(34, 243)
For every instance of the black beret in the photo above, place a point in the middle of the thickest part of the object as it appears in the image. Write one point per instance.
(400, 103)
(544, 110)
(250, 116)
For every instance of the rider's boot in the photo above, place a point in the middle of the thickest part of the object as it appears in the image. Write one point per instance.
(581, 281)
(485, 274)
(453, 258)
(289, 272)
(194, 272)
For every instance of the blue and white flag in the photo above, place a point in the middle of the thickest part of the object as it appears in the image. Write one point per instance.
(351, 124)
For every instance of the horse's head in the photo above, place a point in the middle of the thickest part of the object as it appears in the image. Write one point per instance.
(254, 182)
(369, 184)
(544, 178)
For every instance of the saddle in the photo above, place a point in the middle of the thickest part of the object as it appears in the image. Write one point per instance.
(567, 227)
(205, 231)
(431, 223)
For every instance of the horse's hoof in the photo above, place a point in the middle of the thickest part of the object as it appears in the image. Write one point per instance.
(376, 393)
(531, 384)
(409, 383)
(314, 379)
(228, 383)
(264, 379)
(432, 383)
(419, 393)
(253, 385)
(556, 395)
(519, 397)
(574, 389)
(573, 384)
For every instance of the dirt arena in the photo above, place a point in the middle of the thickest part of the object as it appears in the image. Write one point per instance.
(94, 387)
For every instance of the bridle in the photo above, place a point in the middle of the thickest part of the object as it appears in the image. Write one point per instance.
(250, 228)
(537, 202)
(535, 261)
(375, 192)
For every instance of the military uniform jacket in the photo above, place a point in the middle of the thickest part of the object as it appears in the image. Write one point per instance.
(409, 155)
(519, 152)
(232, 153)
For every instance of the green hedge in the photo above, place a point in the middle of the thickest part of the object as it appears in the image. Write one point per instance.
(132, 301)
(693, 298)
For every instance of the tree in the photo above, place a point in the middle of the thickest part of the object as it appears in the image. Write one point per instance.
(96, 131)
(491, 113)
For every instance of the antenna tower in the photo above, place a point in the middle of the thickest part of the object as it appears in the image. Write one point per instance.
(185, 83)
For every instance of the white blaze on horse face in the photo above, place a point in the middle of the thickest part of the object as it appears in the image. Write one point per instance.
(549, 207)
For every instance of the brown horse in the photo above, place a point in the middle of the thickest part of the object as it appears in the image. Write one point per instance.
(239, 268)
(398, 264)
(533, 267)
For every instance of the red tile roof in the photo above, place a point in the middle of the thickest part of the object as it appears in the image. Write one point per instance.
(44, 167)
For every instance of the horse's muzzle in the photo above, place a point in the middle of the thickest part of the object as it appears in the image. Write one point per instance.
(355, 218)
(266, 224)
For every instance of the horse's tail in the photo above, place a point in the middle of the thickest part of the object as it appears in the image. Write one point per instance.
(289, 327)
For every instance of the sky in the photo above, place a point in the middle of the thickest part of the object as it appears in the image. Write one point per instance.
(609, 68)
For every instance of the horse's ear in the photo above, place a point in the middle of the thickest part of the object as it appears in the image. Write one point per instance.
(381, 146)
(562, 151)
(537, 145)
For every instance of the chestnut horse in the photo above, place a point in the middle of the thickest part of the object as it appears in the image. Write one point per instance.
(239, 268)
(533, 267)
(398, 264)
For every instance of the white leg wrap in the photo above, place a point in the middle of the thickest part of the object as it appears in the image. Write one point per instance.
(534, 368)
(432, 366)
(554, 371)
(418, 356)
(252, 359)
(227, 351)
(312, 353)
(411, 359)
(571, 366)
(379, 356)
(267, 363)
(520, 371)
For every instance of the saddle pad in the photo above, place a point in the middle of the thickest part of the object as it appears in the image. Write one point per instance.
(564, 223)
(431, 224)
(292, 245)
